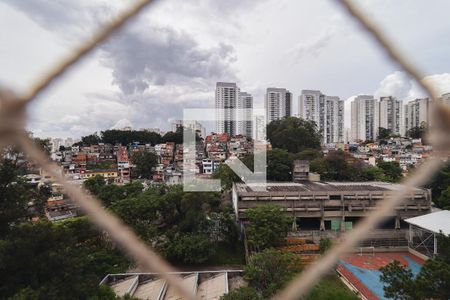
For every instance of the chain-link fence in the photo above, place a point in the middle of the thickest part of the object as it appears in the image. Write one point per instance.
(12, 130)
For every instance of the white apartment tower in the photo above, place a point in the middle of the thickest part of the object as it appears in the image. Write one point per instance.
(227, 95)
(245, 116)
(445, 99)
(278, 104)
(417, 112)
(326, 111)
(391, 115)
(364, 118)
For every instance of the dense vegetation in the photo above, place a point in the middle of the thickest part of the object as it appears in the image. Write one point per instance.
(269, 271)
(440, 187)
(41, 260)
(126, 137)
(341, 166)
(267, 226)
(432, 282)
(187, 228)
(293, 134)
(144, 162)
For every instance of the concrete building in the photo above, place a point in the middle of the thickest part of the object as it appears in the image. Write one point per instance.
(278, 104)
(326, 111)
(227, 95)
(391, 115)
(416, 112)
(445, 99)
(245, 115)
(319, 205)
(364, 118)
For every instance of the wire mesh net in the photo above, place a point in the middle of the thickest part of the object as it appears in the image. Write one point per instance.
(12, 130)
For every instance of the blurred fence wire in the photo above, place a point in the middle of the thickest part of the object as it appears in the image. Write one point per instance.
(12, 130)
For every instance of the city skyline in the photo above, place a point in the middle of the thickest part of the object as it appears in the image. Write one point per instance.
(148, 73)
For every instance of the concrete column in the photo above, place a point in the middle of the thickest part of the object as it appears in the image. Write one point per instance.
(397, 222)
(294, 225)
(343, 213)
(435, 250)
(343, 222)
(322, 224)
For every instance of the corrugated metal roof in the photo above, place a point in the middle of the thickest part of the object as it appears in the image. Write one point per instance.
(435, 222)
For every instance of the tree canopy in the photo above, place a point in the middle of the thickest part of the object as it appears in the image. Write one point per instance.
(267, 225)
(339, 166)
(417, 132)
(124, 137)
(293, 134)
(41, 260)
(432, 282)
(144, 162)
(270, 270)
(182, 226)
(384, 133)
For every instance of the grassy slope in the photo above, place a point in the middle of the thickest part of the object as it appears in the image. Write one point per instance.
(331, 288)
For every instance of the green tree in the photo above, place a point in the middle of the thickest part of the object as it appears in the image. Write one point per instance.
(392, 171)
(145, 163)
(372, 173)
(325, 244)
(41, 260)
(268, 225)
(308, 154)
(293, 134)
(125, 137)
(432, 282)
(400, 282)
(279, 164)
(94, 184)
(417, 132)
(243, 293)
(438, 184)
(44, 144)
(226, 176)
(190, 249)
(92, 139)
(443, 201)
(336, 167)
(384, 133)
(270, 270)
(331, 287)
(14, 196)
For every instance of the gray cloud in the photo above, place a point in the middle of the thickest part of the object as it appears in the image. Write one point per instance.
(140, 57)
(71, 19)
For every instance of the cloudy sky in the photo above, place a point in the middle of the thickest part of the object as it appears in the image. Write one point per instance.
(171, 56)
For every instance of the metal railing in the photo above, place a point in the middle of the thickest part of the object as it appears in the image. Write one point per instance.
(12, 131)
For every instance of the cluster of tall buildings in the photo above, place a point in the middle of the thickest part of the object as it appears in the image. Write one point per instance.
(368, 114)
(326, 111)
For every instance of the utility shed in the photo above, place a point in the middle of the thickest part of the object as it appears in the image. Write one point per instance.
(423, 231)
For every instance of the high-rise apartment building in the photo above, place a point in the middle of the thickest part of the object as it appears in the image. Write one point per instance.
(445, 99)
(193, 125)
(245, 116)
(326, 111)
(416, 112)
(391, 115)
(227, 95)
(278, 104)
(364, 118)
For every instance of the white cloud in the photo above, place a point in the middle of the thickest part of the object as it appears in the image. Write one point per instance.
(122, 123)
(399, 85)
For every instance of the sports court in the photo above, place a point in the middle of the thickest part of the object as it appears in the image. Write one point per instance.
(362, 271)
